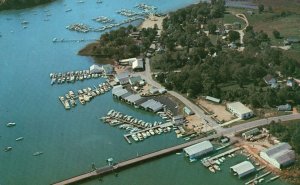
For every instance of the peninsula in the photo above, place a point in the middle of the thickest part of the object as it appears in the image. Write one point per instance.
(18, 4)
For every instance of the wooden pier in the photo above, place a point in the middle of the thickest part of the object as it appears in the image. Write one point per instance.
(225, 153)
(257, 178)
(134, 161)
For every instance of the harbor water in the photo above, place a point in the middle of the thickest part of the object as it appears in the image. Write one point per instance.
(71, 141)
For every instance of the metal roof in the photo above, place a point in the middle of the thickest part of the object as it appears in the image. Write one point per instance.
(116, 88)
(123, 96)
(284, 157)
(191, 150)
(239, 107)
(243, 168)
(212, 99)
(251, 132)
(120, 92)
(153, 105)
(277, 148)
(138, 64)
(133, 98)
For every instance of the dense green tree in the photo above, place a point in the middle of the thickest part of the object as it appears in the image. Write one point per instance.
(212, 28)
(233, 36)
(261, 8)
(276, 34)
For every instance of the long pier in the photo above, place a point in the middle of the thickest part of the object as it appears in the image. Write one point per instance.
(131, 162)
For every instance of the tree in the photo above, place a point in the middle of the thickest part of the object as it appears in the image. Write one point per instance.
(212, 28)
(295, 140)
(276, 34)
(270, 9)
(233, 36)
(261, 8)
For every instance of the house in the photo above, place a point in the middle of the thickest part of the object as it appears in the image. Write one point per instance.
(188, 111)
(216, 100)
(153, 90)
(243, 169)
(250, 133)
(108, 69)
(286, 107)
(138, 65)
(239, 110)
(135, 80)
(122, 78)
(162, 91)
(178, 120)
(269, 79)
(135, 35)
(291, 40)
(290, 83)
(198, 149)
(95, 69)
(280, 155)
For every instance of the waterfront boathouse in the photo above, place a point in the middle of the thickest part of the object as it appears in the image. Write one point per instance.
(243, 169)
(279, 155)
(198, 150)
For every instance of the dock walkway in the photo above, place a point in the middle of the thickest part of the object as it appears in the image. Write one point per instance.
(131, 162)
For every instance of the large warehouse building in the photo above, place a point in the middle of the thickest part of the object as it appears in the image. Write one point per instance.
(198, 150)
(279, 155)
(240, 110)
(243, 169)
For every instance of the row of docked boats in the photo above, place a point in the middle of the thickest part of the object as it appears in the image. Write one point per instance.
(83, 95)
(103, 19)
(83, 28)
(165, 115)
(71, 77)
(114, 117)
(144, 134)
(79, 27)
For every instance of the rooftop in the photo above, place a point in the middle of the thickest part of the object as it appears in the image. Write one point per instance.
(277, 148)
(198, 147)
(243, 167)
(238, 106)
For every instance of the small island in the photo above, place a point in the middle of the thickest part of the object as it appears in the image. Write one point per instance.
(19, 4)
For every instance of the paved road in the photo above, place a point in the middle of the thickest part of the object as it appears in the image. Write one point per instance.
(147, 75)
(257, 123)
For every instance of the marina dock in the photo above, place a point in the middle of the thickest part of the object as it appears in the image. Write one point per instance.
(207, 162)
(131, 162)
(257, 178)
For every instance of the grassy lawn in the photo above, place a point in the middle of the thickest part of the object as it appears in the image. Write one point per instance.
(294, 52)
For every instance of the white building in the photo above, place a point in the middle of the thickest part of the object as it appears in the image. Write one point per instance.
(243, 169)
(127, 61)
(138, 64)
(95, 69)
(199, 149)
(240, 110)
(279, 155)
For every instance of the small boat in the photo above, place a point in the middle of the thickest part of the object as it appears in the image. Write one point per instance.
(10, 124)
(178, 153)
(19, 138)
(217, 162)
(212, 169)
(216, 167)
(223, 158)
(152, 132)
(7, 149)
(37, 153)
